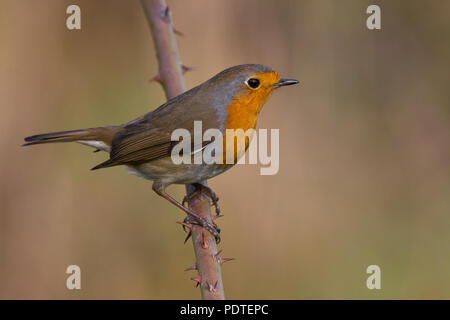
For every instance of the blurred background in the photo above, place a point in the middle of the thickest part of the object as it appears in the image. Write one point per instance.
(364, 151)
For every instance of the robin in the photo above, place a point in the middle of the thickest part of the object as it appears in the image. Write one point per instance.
(230, 100)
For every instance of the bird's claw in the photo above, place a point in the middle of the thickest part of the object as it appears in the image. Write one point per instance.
(211, 227)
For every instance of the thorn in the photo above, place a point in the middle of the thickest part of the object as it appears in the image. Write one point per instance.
(185, 69)
(185, 225)
(205, 243)
(156, 78)
(165, 16)
(212, 288)
(221, 260)
(97, 150)
(188, 236)
(194, 267)
(178, 33)
(197, 279)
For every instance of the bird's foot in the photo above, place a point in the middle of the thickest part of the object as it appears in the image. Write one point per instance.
(202, 189)
(211, 227)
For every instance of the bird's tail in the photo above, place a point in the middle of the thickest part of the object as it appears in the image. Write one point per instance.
(94, 137)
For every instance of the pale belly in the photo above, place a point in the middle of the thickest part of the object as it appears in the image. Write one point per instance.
(167, 172)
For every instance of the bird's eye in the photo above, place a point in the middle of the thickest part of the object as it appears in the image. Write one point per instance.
(253, 83)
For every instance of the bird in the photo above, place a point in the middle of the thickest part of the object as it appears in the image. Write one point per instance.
(232, 99)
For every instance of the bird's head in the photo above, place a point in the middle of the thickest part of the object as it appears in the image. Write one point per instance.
(250, 84)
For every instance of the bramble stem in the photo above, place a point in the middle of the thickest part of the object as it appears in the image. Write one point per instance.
(171, 77)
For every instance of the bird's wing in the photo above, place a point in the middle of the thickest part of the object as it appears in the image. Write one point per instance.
(148, 138)
(138, 144)
(141, 145)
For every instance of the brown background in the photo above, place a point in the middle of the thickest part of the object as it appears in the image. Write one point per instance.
(364, 149)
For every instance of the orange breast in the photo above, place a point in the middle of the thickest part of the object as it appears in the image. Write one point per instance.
(243, 113)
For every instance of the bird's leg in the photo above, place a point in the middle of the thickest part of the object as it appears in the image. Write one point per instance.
(202, 189)
(213, 229)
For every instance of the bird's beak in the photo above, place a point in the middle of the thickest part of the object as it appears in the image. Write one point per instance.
(285, 82)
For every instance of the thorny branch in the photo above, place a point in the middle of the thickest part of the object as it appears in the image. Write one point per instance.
(208, 263)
